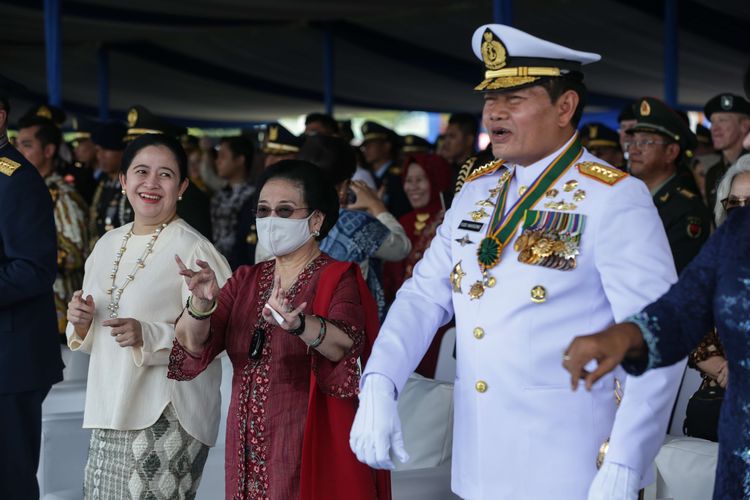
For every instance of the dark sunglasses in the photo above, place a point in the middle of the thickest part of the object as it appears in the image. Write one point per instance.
(283, 211)
(256, 344)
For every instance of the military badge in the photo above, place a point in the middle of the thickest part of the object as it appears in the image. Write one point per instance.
(132, 117)
(645, 108)
(456, 276)
(727, 102)
(694, 227)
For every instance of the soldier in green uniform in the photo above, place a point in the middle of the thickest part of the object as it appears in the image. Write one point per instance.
(659, 142)
(604, 143)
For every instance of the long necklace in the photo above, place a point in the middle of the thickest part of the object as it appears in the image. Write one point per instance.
(115, 292)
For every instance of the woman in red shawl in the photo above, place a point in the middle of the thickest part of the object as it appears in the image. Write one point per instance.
(426, 177)
(295, 369)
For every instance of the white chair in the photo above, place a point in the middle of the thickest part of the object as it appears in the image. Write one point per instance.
(686, 468)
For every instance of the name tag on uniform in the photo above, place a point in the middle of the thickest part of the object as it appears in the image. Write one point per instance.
(469, 225)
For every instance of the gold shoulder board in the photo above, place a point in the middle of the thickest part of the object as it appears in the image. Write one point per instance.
(485, 169)
(8, 166)
(686, 193)
(600, 172)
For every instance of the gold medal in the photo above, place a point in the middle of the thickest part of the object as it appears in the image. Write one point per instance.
(476, 291)
(579, 195)
(488, 279)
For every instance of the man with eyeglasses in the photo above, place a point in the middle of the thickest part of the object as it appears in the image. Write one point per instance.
(658, 142)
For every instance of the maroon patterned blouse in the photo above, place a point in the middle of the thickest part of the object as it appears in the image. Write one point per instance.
(267, 411)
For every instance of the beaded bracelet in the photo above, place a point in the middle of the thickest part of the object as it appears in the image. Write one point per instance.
(199, 315)
(321, 335)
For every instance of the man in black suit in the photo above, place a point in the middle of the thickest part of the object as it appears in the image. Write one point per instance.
(30, 359)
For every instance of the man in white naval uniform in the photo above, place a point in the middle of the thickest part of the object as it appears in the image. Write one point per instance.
(543, 245)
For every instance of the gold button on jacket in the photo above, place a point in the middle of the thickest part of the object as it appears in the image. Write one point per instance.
(538, 294)
(478, 332)
(481, 386)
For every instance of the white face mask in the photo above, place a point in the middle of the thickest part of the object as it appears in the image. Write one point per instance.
(282, 236)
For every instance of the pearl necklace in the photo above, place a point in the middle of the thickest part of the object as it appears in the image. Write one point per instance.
(115, 292)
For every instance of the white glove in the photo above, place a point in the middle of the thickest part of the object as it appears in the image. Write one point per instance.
(377, 428)
(615, 482)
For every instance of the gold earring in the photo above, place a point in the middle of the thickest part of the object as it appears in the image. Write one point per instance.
(122, 191)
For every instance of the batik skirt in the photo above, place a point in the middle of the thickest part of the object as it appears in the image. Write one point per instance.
(161, 462)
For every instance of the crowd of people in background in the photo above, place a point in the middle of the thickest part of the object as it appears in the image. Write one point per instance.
(377, 204)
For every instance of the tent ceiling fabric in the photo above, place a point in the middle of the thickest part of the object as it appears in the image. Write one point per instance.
(239, 61)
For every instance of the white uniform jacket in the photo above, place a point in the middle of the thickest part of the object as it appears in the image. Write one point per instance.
(520, 432)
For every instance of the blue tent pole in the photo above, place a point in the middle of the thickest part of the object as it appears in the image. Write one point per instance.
(53, 46)
(328, 70)
(671, 52)
(102, 73)
(502, 11)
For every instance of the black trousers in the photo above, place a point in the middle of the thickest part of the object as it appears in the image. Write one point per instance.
(20, 436)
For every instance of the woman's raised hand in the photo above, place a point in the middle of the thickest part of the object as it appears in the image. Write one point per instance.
(282, 305)
(202, 283)
(81, 312)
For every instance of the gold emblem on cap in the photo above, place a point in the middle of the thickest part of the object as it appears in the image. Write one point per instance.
(409, 139)
(593, 131)
(132, 117)
(273, 133)
(44, 112)
(493, 51)
(645, 108)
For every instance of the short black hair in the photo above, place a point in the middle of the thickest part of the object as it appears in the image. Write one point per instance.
(241, 146)
(146, 140)
(326, 120)
(466, 122)
(333, 155)
(556, 87)
(317, 192)
(47, 133)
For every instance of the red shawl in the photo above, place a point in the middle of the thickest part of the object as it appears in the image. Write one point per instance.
(330, 470)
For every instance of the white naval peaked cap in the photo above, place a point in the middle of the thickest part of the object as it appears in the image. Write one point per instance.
(513, 58)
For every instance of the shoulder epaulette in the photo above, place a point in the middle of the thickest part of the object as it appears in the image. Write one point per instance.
(464, 172)
(485, 169)
(686, 193)
(8, 166)
(600, 172)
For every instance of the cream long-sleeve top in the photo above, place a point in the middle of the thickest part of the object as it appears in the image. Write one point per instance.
(128, 388)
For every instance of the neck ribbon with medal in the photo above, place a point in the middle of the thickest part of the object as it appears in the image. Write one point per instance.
(502, 228)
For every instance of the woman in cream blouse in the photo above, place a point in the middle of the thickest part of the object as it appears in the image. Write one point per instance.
(150, 434)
